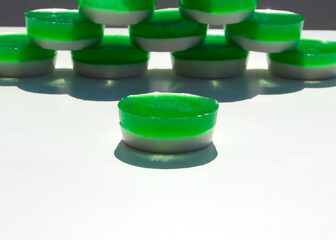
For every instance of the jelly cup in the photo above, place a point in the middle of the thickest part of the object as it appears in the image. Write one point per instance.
(218, 12)
(117, 12)
(62, 29)
(313, 59)
(215, 59)
(268, 31)
(20, 58)
(167, 122)
(167, 31)
(114, 58)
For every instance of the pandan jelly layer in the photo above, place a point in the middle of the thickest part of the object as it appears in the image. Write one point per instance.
(219, 6)
(114, 50)
(268, 25)
(61, 25)
(168, 23)
(16, 47)
(167, 115)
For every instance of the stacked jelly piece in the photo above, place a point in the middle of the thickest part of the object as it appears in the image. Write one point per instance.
(169, 122)
(182, 31)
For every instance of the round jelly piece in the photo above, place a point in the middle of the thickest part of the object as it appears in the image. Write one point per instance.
(113, 50)
(310, 52)
(214, 48)
(219, 6)
(16, 47)
(269, 25)
(168, 23)
(61, 24)
(167, 115)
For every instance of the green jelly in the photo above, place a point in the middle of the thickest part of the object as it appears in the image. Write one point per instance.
(168, 23)
(219, 6)
(114, 50)
(16, 47)
(269, 25)
(167, 114)
(119, 5)
(61, 25)
(214, 48)
(310, 53)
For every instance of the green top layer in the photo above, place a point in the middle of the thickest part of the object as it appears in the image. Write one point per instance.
(215, 48)
(268, 25)
(167, 115)
(61, 25)
(168, 23)
(310, 53)
(219, 6)
(16, 47)
(113, 50)
(119, 5)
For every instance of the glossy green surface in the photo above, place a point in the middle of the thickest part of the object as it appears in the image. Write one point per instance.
(269, 26)
(310, 52)
(119, 5)
(214, 48)
(61, 25)
(167, 115)
(114, 50)
(168, 23)
(219, 6)
(16, 47)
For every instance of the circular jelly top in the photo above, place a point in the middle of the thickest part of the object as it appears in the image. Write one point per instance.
(218, 6)
(215, 48)
(16, 47)
(61, 24)
(119, 5)
(114, 50)
(269, 25)
(168, 23)
(309, 52)
(275, 17)
(167, 114)
(55, 15)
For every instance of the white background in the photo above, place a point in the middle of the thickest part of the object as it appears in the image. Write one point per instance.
(65, 174)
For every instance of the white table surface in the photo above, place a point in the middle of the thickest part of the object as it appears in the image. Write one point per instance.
(66, 175)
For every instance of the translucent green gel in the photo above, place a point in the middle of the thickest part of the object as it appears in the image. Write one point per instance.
(167, 114)
(310, 53)
(267, 25)
(17, 48)
(114, 50)
(119, 5)
(64, 25)
(214, 48)
(219, 6)
(168, 23)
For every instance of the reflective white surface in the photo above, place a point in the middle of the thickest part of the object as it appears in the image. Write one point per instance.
(270, 174)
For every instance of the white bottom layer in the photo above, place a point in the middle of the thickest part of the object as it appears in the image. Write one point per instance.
(301, 72)
(115, 18)
(65, 45)
(209, 69)
(167, 145)
(216, 18)
(110, 71)
(167, 45)
(27, 69)
(263, 46)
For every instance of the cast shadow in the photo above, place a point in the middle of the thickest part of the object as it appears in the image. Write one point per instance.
(223, 90)
(8, 82)
(327, 83)
(138, 158)
(106, 90)
(272, 85)
(53, 83)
